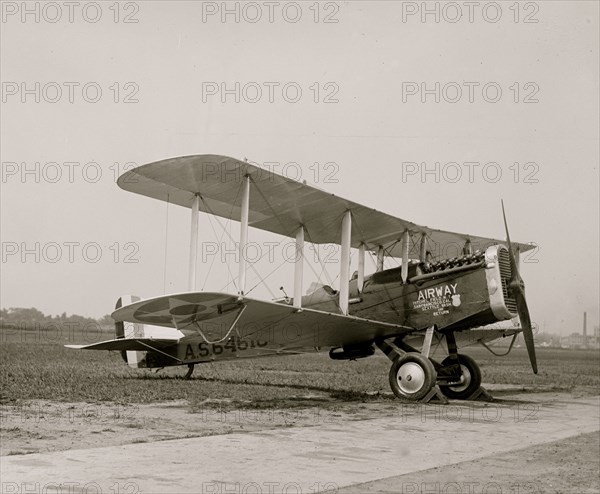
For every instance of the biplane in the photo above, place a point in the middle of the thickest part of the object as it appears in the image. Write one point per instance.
(429, 297)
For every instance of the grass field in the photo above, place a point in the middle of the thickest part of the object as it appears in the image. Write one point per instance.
(34, 367)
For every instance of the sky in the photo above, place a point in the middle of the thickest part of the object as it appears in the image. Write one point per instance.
(427, 111)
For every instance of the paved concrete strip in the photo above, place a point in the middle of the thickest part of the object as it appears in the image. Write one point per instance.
(305, 459)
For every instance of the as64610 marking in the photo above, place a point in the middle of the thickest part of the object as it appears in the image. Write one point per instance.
(232, 346)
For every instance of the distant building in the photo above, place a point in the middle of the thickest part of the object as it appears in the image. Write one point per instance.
(577, 340)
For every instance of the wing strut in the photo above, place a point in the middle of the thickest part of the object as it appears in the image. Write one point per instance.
(299, 267)
(405, 247)
(380, 258)
(193, 244)
(468, 248)
(244, 233)
(345, 261)
(361, 267)
(423, 250)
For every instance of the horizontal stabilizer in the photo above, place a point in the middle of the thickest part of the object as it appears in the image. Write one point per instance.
(121, 344)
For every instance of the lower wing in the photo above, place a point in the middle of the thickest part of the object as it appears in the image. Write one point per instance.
(122, 344)
(216, 315)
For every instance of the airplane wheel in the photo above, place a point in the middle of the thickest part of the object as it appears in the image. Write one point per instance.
(470, 380)
(412, 376)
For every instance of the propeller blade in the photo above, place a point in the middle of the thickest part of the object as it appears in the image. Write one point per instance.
(516, 288)
(526, 325)
(513, 262)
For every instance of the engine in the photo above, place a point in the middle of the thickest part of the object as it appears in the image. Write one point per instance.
(439, 266)
(498, 274)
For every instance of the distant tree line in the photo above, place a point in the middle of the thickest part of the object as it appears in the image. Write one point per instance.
(22, 318)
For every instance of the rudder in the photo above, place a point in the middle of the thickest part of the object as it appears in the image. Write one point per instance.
(130, 330)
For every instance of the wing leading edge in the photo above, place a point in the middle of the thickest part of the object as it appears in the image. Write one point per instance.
(127, 344)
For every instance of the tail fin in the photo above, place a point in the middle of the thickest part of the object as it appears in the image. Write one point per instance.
(130, 330)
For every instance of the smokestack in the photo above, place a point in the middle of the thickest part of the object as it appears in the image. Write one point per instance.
(585, 329)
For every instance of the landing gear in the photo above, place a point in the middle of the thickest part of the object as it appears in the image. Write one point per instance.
(189, 372)
(469, 381)
(412, 376)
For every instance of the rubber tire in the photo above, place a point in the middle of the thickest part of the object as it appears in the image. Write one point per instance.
(473, 377)
(429, 376)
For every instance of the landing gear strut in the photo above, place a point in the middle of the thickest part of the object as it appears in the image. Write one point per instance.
(189, 372)
(469, 381)
(462, 376)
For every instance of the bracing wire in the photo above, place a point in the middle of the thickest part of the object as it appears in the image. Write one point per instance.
(213, 260)
(500, 354)
(223, 227)
(166, 248)
(262, 279)
(321, 263)
(231, 328)
(224, 230)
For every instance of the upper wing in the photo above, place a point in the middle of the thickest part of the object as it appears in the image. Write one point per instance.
(281, 205)
(213, 314)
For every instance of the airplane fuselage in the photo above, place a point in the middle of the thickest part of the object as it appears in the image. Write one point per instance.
(468, 293)
(463, 294)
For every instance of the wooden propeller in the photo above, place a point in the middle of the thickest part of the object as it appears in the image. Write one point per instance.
(516, 289)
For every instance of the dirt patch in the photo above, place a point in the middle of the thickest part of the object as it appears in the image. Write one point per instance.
(37, 426)
(567, 466)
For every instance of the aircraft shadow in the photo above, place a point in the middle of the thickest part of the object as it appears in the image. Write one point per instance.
(334, 394)
(500, 397)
